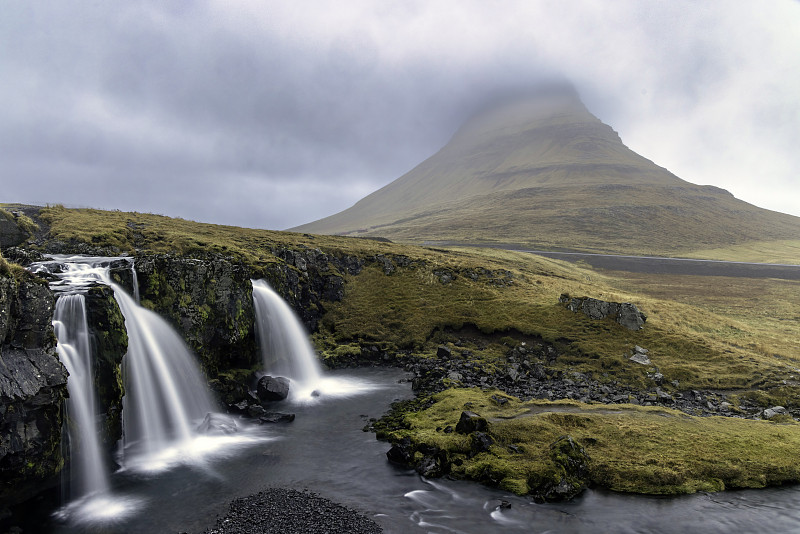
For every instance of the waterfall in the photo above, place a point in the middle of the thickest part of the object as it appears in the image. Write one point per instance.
(165, 392)
(88, 470)
(285, 347)
(166, 395)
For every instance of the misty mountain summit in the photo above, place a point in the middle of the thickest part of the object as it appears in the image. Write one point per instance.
(541, 171)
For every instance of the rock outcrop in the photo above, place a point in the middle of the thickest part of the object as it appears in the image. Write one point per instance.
(109, 343)
(33, 385)
(625, 313)
(208, 300)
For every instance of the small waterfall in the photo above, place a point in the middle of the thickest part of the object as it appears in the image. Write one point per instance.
(285, 347)
(88, 471)
(166, 395)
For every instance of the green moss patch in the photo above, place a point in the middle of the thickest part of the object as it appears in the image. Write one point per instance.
(628, 448)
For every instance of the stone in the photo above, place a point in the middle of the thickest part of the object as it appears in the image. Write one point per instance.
(272, 388)
(471, 422)
(401, 452)
(769, 413)
(276, 417)
(444, 352)
(480, 442)
(624, 313)
(640, 358)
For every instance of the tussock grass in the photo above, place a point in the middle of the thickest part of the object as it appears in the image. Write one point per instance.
(631, 448)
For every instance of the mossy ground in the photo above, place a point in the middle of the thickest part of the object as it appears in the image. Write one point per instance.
(637, 449)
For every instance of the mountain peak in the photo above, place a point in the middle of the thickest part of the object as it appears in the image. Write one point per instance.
(539, 169)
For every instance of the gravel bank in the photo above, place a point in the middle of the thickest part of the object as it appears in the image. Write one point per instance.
(288, 511)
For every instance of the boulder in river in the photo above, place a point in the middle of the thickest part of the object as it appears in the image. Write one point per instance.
(272, 388)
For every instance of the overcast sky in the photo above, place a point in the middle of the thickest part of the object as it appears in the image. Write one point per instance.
(273, 114)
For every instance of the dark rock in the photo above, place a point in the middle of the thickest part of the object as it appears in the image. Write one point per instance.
(209, 299)
(444, 352)
(401, 453)
(109, 344)
(272, 388)
(499, 400)
(626, 314)
(471, 422)
(480, 442)
(32, 390)
(276, 417)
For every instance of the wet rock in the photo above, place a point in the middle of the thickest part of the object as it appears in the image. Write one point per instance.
(32, 390)
(272, 388)
(401, 453)
(276, 417)
(471, 422)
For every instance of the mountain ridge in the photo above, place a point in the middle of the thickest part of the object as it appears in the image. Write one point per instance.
(543, 171)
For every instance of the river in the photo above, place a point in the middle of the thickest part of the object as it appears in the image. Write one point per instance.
(326, 451)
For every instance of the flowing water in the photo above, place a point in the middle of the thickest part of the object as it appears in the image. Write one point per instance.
(286, 350)
(88, 470)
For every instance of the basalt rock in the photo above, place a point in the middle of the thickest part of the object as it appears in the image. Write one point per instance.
(625, 313)
(210, 302)
(109, 343)
(32, 389)
(272, 388)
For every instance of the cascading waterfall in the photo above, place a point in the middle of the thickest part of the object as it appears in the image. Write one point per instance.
(166, 394)
(88, 472)
(285, 348)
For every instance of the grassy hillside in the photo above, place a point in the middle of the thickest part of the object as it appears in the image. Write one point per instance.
(727, 333)
(543, 172)
(736, 337)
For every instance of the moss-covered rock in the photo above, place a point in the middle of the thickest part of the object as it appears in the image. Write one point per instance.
(109, 340)
(209, 300)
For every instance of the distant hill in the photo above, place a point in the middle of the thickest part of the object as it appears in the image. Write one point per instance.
(542, 171)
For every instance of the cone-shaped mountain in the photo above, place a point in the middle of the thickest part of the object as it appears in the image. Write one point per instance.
(542, 171)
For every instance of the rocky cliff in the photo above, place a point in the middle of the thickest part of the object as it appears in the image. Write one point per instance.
(33, 385)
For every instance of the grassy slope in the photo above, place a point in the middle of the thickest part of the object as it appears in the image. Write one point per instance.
(733, 334)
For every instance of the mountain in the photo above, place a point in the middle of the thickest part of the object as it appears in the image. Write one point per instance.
(542, 171)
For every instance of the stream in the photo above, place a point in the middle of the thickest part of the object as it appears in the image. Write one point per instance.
(326, 451)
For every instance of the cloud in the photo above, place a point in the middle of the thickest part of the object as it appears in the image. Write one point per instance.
(272, 114)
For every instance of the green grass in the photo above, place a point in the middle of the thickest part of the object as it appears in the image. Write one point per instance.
(631, 448)
(722, 334)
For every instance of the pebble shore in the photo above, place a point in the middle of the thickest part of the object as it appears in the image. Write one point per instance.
(288, 511)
